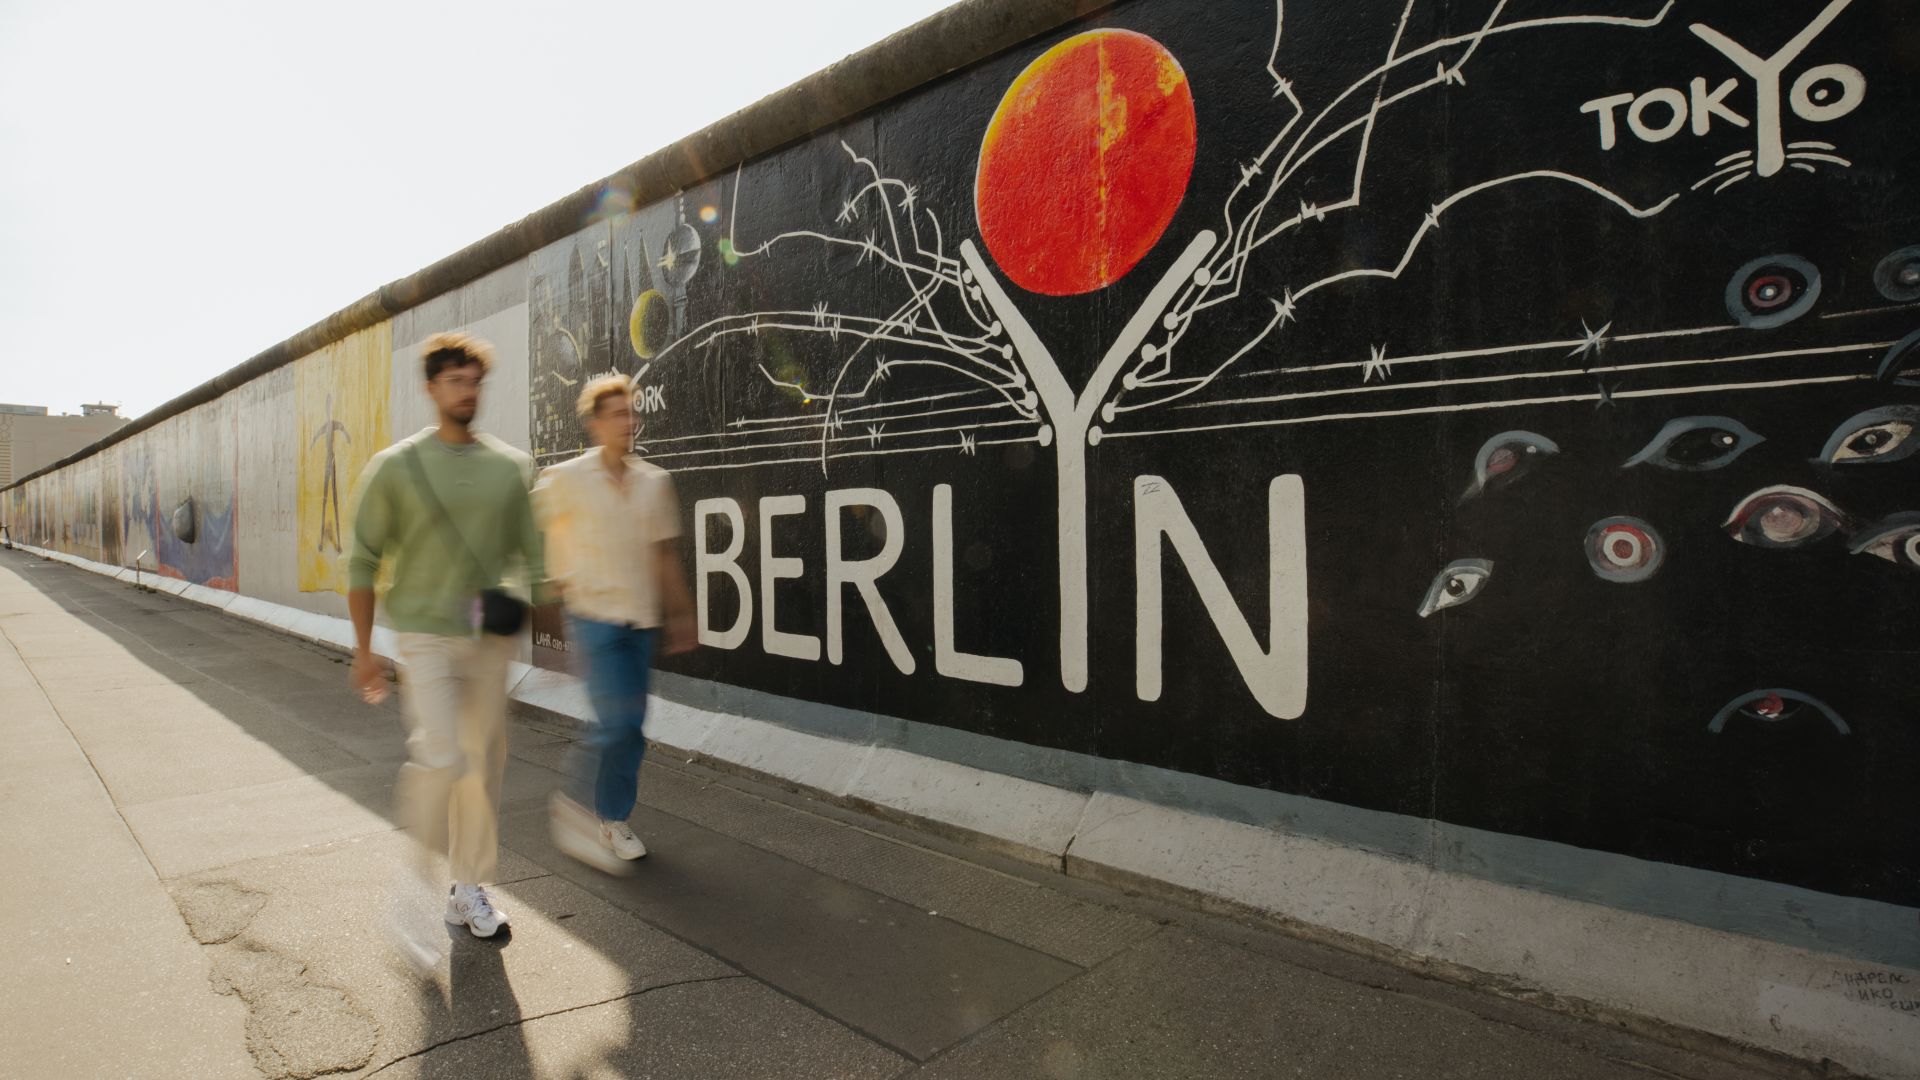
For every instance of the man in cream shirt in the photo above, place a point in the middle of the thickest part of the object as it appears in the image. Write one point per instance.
(611, 520)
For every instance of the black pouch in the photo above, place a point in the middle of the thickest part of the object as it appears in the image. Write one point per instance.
(501, 612)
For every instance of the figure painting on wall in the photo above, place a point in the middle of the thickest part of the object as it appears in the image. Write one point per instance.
(342, 393)
(330, 486)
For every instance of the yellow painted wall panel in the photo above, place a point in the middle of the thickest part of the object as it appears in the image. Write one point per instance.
(341, 393)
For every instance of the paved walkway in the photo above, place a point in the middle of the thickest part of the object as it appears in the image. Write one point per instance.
(197, 851)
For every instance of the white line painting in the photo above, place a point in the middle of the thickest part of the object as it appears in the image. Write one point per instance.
(957, 319)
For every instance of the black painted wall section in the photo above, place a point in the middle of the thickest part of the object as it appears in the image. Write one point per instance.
(1579, 326)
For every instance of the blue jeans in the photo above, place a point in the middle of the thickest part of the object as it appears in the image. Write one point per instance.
(604, 769)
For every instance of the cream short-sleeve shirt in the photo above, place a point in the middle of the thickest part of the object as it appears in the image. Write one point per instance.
(601, 533)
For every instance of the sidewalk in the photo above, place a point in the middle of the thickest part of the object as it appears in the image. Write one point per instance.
(197, 852)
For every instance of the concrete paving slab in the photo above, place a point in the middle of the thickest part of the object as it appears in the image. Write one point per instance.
(1017, 909)
(84, 909)
(198, 832)
(44, 638)
(311, 929)
(734, 1029)
(88, 709)
(112, 668)
(195, 832)
(254, 675)
(140, 766)
(374, 733)
(910, 979)
(1178, 1006)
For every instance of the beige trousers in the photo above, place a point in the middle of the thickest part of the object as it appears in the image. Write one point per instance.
(454, 694)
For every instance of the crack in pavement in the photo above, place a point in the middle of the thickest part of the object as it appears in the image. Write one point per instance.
(642, 992)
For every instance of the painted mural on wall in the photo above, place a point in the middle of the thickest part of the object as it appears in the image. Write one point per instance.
(1493, 413)
(179, 499)
(342, 393)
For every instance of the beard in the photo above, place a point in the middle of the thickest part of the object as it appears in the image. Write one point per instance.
(462, 414)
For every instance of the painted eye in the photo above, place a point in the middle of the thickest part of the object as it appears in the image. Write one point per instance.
(1901, 365)
(1772, 291)
(1505, 458)
(1783, 517)
(1895, 538)
(1898, 275)
(1696, 444)
(1624, 549)
(1880, 435)
(1460, 582)
(1776, 707)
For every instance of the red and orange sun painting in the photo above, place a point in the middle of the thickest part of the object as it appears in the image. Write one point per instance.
(1085, 162)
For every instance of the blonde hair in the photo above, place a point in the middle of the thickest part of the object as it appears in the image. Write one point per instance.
(605, 386)
(455, 348)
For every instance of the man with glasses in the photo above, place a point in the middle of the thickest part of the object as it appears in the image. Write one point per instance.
(448, 509)
(611, 520)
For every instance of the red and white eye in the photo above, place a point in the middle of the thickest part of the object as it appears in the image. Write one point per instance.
(1783, 517)
(1772, 291)
(1624, 549)
(1505, 458)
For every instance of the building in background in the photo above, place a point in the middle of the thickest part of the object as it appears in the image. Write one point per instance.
(31, 439)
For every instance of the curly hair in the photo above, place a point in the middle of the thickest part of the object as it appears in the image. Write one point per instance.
(455, 349)
(605, 386)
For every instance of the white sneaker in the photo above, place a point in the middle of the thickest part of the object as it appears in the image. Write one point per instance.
(576, 832)
(618, 837)
(471, 907)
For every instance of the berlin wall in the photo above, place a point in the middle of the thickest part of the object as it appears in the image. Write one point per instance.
(1477, 435)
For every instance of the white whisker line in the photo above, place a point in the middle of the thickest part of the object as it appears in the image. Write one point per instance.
(903, 433)
(1744, 155)
(1832, 158)
(1482, 405)
(1566, 373)
(1809, 146)
(1803, 165)
(1730, 183)
(1718, 173)
(948, 447)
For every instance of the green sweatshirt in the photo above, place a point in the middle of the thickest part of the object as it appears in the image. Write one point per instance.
(483, 487)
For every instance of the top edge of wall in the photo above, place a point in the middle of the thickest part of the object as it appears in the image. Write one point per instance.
(947, 41)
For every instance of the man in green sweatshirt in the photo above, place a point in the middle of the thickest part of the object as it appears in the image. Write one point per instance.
(448, 510)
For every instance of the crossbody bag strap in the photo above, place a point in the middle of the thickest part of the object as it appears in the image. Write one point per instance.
(440, 512)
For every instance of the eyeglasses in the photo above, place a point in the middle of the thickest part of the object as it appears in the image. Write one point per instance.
(460, 382)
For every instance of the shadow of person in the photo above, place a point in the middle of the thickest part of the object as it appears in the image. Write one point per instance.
(478, 1000)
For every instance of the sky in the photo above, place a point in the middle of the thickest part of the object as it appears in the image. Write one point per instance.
(183, 185)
